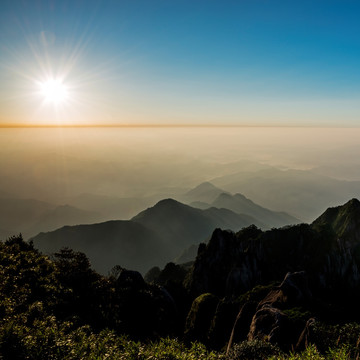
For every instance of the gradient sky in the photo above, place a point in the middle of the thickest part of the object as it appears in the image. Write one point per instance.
(182, 62)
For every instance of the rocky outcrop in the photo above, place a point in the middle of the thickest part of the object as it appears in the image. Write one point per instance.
(199, 318)
(305, 271)
(242, 324)
(344, 221)
(293, 291)
(307, 335)
(329, 252)
(222, 324)
(269, 324)
(222, 266)
(130, 278)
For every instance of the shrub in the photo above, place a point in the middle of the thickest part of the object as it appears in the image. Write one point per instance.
(253, 350)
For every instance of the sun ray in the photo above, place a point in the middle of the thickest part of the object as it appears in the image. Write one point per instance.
(54, 91)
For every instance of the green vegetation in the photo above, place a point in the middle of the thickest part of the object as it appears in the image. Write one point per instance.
(312, 353)
(60, 308)
(253, 350)
(49, 341)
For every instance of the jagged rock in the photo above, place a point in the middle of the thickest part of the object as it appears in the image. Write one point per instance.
(130, 278)
(269, 324)
(344, 220)
(328, 250)
(306, 337)
(199, 318)
(222, 267)
(318, 265)
(293, 291)
(242, 323)
(152, 275)
(223, 322)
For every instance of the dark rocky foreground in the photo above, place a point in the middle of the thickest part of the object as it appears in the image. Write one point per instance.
(274, 285)
(279, 286)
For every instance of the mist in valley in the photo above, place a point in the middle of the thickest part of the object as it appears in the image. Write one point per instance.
(82, 166)
(227, 177)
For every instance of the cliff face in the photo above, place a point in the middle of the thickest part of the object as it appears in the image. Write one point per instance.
(279, 281)
(328, 250)
(344, 221)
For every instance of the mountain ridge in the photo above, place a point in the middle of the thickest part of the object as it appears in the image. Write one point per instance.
(253, 256)
(165, 229)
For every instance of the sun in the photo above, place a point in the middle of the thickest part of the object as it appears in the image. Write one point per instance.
(54, 91)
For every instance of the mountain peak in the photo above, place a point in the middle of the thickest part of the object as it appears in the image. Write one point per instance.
(168, 202)
(224, 195)
(343, 219)
(240, 204)
(205, 192)
(163, 208)
(203, 187)
(353, 203)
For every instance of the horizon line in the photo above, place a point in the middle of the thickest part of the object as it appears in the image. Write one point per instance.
(175, 125)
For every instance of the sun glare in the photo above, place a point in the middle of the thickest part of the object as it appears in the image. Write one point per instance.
(54, 91)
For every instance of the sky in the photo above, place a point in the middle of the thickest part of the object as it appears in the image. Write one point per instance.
(180, 62)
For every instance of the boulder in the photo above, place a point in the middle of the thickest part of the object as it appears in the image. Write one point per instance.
(307, 335)
(130, 278)
(269, 324)
(293, 291)
(242, 324)
(200, 316)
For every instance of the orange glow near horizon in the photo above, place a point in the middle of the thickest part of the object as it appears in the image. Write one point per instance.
(60, 124)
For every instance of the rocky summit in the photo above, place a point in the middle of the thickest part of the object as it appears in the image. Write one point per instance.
(271, 285)
(328, 250)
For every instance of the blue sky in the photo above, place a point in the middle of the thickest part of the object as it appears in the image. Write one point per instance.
(184, 62)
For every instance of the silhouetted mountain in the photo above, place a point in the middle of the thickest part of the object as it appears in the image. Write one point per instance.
(154, 236)
(327, 249)
(200, 205)
(278, 286)
(241, 205)
(310, 271)
(205, 192)
(107, 244)
(344, 221)
(181, 225)
(29, 216)
(302, 193)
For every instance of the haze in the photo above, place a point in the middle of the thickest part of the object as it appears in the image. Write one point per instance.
(258, 98)
(57, 165)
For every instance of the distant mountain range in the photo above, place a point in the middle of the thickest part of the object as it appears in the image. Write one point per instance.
(170, 229)
(29, 216)
(121, 242)
(239, 204)
(167, 229)
(304, 194)
(154, 236)
(206, 192)
(184, 225)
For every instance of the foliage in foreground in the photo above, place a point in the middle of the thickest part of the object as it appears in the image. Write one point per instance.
(50, 340)
(58, 343)
(312, 353)
(45, 314)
